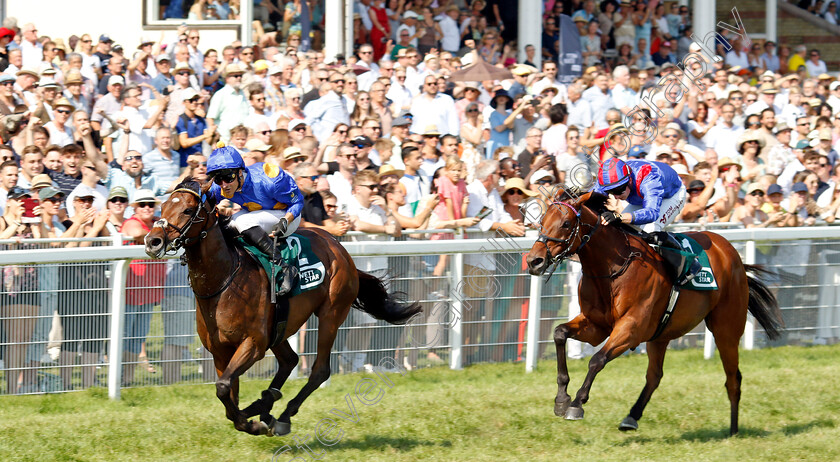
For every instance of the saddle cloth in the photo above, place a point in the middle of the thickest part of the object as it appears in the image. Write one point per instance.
(705, 279)
(299, 253)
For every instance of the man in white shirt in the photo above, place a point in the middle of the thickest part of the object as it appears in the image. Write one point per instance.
(722, 87)
(623, 98)
(433, 108)
(228, 107)
(448, 22)
(737, 56)
(341, 181)
(331, 109)
(416, 186)
(32, 50)
(60, 133)
(549, 69)
(600, 99)
(258, 113)
(136, 123)
(725, 134)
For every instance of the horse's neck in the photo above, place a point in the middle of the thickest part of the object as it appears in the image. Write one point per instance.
(606, 251)
(210, 262)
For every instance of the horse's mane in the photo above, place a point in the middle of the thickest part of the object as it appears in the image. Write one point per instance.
(192, 184)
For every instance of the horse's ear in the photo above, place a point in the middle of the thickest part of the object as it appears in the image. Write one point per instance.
(595, 201)
(207, 195)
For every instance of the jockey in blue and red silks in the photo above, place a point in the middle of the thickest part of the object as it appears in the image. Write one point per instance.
(656, 196)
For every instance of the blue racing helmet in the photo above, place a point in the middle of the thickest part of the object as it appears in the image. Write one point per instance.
(224, 158)
(613, 173)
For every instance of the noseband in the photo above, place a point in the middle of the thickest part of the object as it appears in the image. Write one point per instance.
(182, 240)
(544, 238)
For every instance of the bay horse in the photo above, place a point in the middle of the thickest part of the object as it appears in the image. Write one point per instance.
(624, 292)
(235, 314)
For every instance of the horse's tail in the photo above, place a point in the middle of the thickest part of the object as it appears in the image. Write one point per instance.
(763, 305)
(375, 300)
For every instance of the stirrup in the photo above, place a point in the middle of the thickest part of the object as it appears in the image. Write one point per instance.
(692, 272)
(289, 273)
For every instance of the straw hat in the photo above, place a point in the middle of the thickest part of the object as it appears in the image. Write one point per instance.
(388, 169)
(292, 152)
(682, 171)
(727, 162)
(517, 183)
(63, 102)
(144, 195)
(749, 135)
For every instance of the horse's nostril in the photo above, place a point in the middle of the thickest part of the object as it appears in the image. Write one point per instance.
(156, 242)
(536, 262)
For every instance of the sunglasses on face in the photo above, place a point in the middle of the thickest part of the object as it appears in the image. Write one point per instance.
(515, 192)
(119, 200)
(143, 205)
(265, 132)
(62, 111)
(349, 156)
(87, 200)
(53, 200)
(372, 187)
(342, 132)
(133, 158)
(330, 206)
(544, 182)
(757, 193)
(313, 177)
(224, 178)
(618, 191)
(303, 129)
(753, 124)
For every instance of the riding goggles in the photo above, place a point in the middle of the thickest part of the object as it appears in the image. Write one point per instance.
(619, 190)
(225, 176)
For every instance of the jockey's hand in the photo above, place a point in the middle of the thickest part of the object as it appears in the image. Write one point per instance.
(281, 227)
(609, 217)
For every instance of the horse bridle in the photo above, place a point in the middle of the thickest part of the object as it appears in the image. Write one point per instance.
(555, 260)
(182, 239)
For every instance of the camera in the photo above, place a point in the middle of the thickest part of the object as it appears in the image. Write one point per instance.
(165, 91)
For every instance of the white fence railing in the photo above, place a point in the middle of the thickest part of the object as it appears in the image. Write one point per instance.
(817, 269)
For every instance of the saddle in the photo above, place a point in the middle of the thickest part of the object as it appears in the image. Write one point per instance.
(685, 265)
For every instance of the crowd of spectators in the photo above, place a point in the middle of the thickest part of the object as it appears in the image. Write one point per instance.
(385, 142)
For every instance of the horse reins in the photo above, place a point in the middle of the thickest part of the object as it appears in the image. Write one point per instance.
(182, 240)
(557, 259)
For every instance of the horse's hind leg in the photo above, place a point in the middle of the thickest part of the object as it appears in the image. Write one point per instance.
(227, 389)
(656, 358)
(581, 329)
(327, 330)
(287, 359)
(727, 339)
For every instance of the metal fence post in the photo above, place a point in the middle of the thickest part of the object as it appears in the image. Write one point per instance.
(749, 330)
(456, 338)
(119, 275)
(534, 310)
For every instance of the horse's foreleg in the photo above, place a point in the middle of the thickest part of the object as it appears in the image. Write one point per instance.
(287, 359)
(227, 386)
(319, 374)
(621, 338)
(656, 358)
(581, 329)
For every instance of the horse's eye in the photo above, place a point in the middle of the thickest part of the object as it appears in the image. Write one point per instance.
(188, 212)
(567, 224)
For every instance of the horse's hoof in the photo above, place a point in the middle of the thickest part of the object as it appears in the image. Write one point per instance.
(560, 408)
(628, 423)
(262, 428)
(281, 428)
(574, 413)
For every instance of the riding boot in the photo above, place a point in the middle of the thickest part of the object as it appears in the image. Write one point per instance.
(672, 254)
(257, 237)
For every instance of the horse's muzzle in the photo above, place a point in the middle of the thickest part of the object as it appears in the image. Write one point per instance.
(154, 244)
(536, 263)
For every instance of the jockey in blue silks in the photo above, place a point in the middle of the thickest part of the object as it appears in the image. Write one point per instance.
(656, 196)
(270, 200)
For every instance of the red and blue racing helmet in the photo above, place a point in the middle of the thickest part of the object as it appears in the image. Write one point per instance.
(613, 173)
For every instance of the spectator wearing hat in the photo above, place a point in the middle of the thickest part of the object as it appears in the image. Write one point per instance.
(432, 108)
(25, 85)
(60, 133)
(109, 104)
(89, 186)
(192, 128)
(748, 146)
(274, 92)
(766, 99)
(470, 96)
(751, 215)
(780, 154)
(7, 94)
(292, 156)
(664, 54)
(229, 106)
(163, 80)
(117, 204)
(500, 122)
(181, 88)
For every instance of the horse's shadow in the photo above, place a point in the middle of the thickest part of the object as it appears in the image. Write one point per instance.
(376, 442)
(711, 434)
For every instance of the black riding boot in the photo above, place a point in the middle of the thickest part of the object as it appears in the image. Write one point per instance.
(666, 242)
(259, 239)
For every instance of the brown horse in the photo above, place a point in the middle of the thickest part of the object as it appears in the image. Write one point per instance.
(624, 293)
(235, 314)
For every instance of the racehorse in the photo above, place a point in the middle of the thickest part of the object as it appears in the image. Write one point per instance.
(235, 314)
(624, 292)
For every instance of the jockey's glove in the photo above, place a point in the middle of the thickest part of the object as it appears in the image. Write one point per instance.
(281, 227)
(611, 217)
